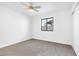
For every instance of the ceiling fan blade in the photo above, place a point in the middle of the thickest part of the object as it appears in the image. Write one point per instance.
(37, 7)
(31, 3)
(24, 4)
(35, 10)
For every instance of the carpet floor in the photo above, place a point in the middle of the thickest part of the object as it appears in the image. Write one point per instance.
(35, 47)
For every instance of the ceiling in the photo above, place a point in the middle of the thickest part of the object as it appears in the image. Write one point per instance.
(46, 7)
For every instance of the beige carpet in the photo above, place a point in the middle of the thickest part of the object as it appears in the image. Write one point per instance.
(37, 48)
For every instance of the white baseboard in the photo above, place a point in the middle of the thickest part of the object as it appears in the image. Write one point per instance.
(26, 38)
(12, 43)
(51, 41)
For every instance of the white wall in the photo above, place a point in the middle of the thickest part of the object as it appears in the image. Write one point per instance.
(14, 27)
(76, 30)
(63, 27)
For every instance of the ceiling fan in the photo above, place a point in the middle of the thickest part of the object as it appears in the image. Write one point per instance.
(30, 6)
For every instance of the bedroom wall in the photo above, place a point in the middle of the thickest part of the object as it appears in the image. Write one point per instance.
(63, 27)
(14, 27)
